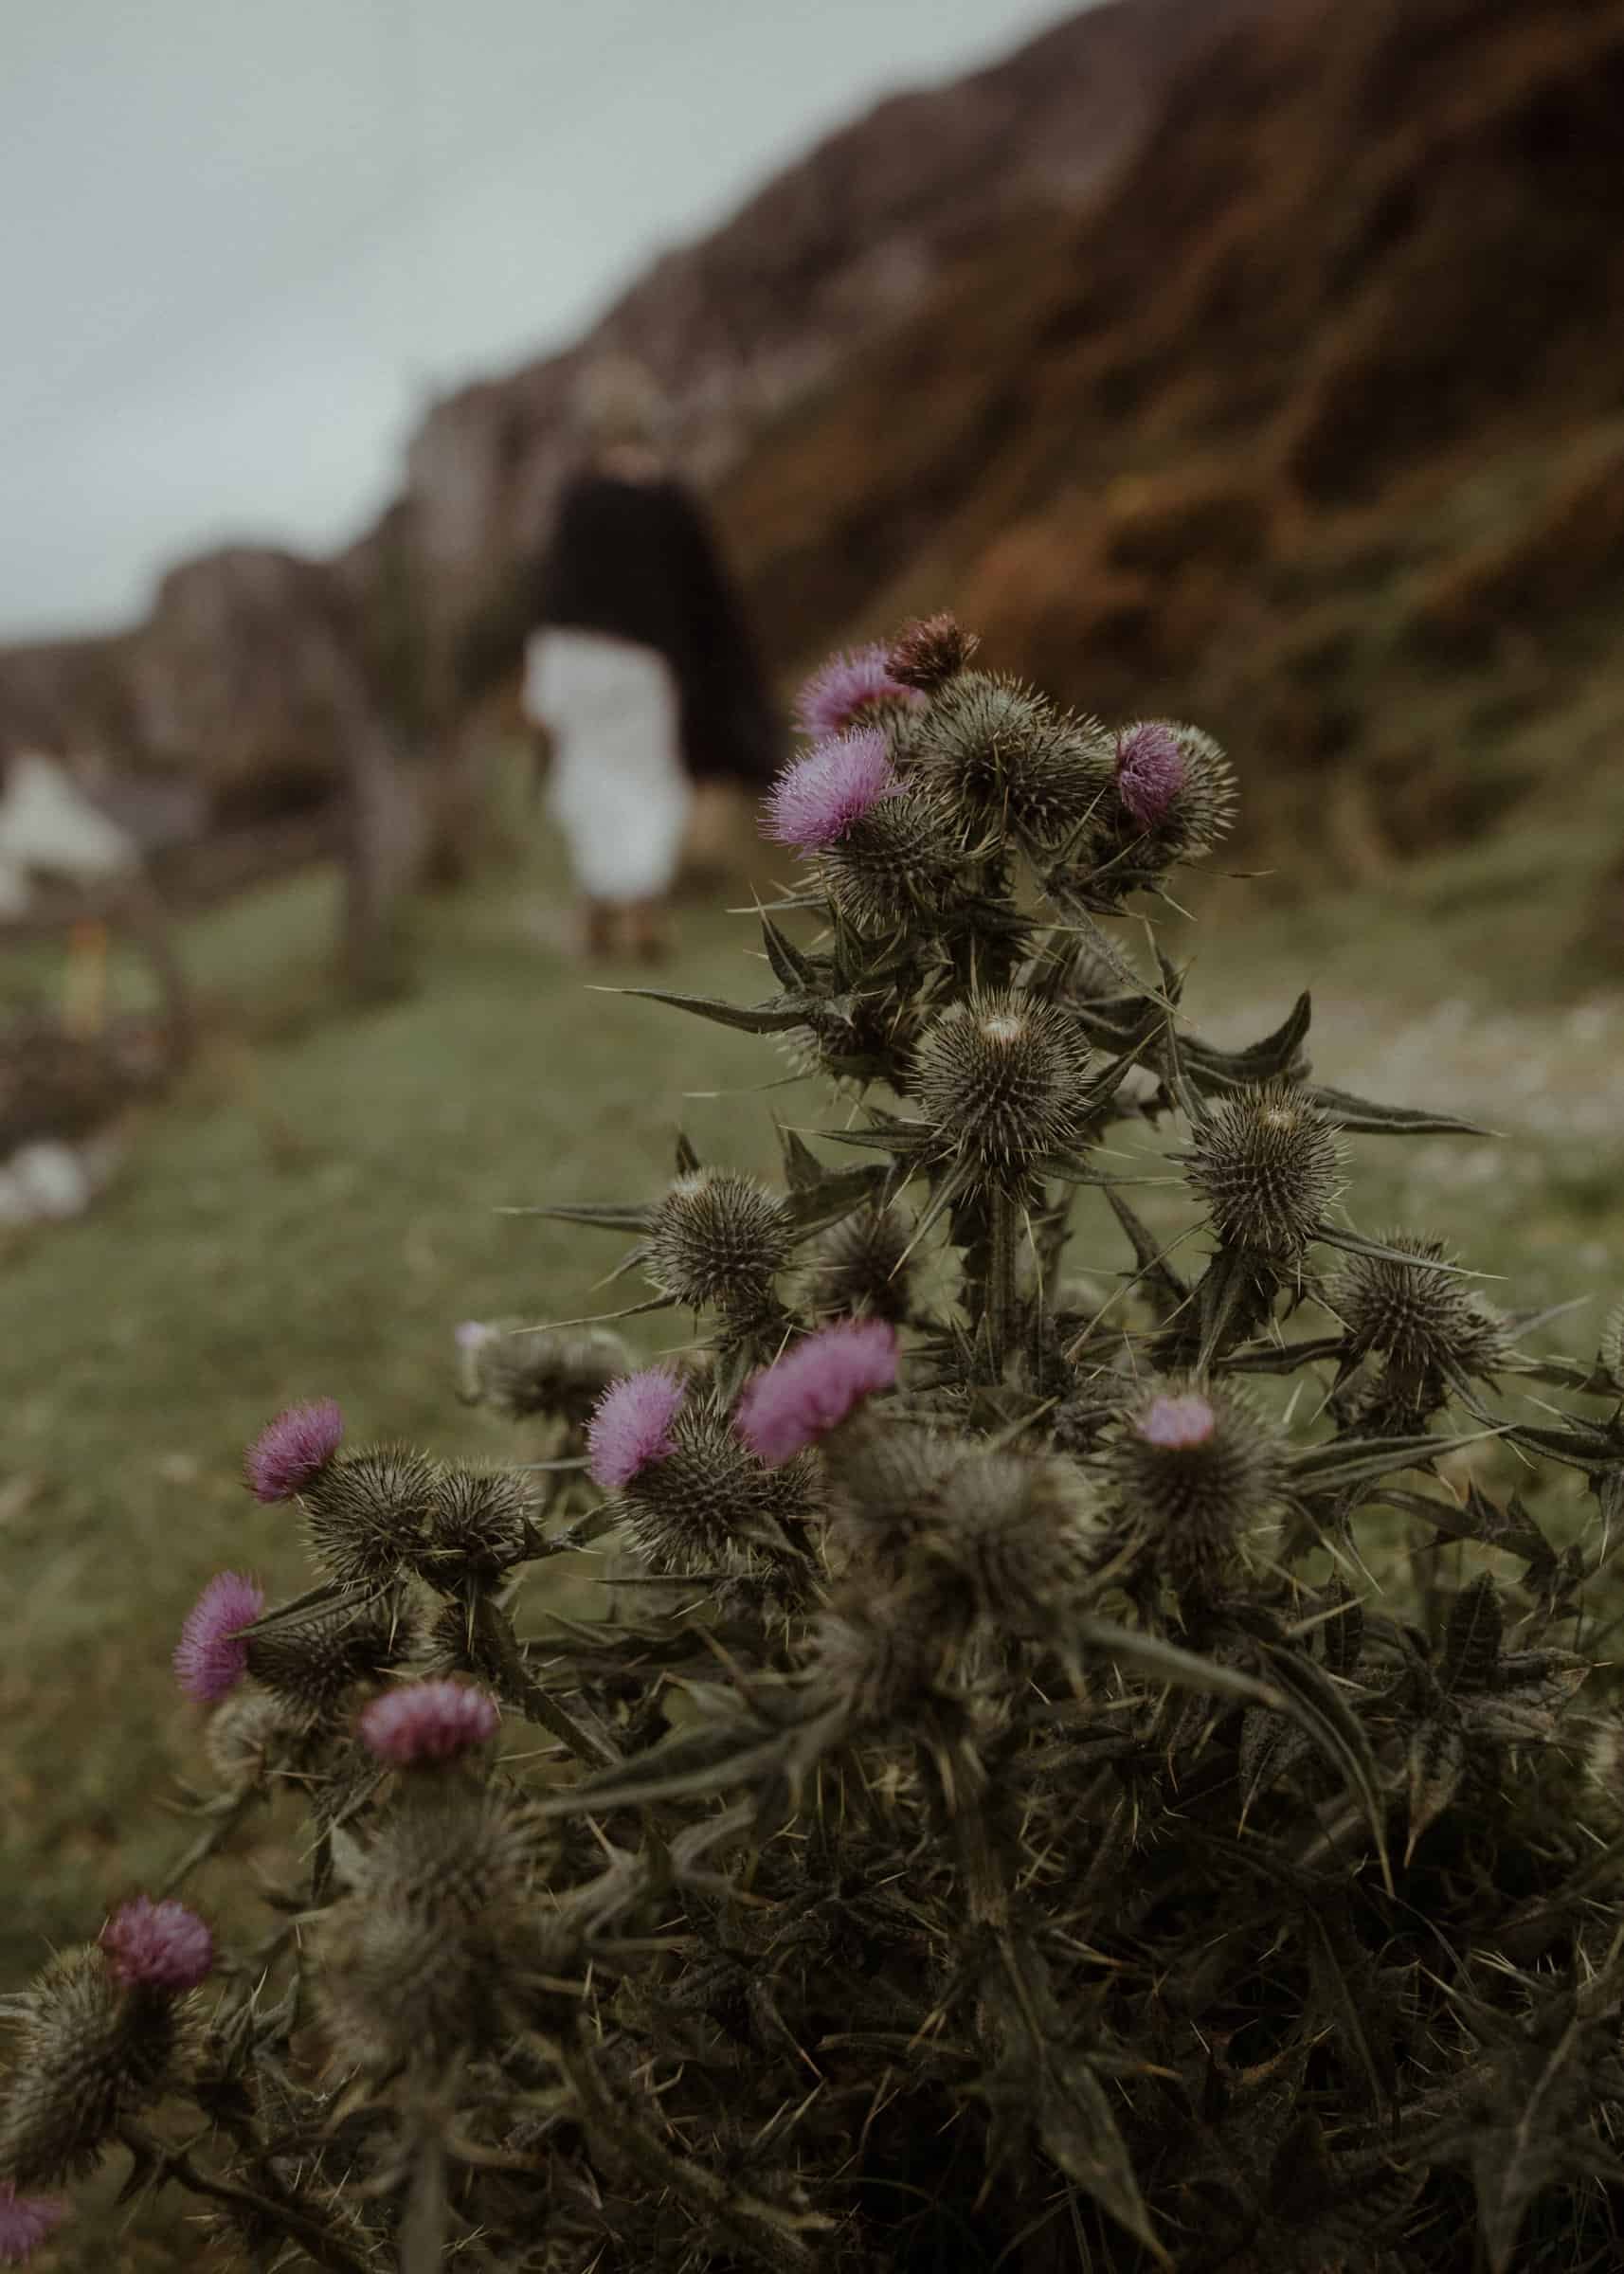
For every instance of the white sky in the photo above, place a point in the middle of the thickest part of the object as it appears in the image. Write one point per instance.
(245, 241)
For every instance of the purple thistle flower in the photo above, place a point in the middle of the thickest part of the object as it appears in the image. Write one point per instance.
(1150, 770)
(161, 1945)
(294, 1449)
(842, 689)
(814, 1387)
(1177, 1424)
(429, 1720)
(631, 1425)
(815, 801)
(24, 2222)
(211, 1657)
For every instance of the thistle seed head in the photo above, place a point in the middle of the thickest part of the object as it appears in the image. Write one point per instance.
(1000, 1077)
(717, 1240)
(1268, 1163)
(1419, 1317)
(309, 1662)
(860, 1267)
(1173, 787)
(930, 651)
(994, 754)
(561, 1371)
(1195, 1470)
(367, 1515)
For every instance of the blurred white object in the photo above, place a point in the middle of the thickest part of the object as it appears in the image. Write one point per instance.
(48, 827)
(619, 789)
(50, 1182)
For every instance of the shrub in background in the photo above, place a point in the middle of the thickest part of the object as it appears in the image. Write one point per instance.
(1001, 1821)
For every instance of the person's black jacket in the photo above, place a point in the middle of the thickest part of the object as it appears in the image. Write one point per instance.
(637, 560)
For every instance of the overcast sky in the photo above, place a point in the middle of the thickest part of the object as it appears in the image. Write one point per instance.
(244, 243)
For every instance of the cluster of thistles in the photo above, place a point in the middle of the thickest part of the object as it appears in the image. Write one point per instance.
(922, 1770)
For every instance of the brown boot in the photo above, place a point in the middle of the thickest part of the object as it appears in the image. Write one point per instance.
(598, 930)
(645, 931)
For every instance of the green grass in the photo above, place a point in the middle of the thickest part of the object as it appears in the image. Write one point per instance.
(320, 1203)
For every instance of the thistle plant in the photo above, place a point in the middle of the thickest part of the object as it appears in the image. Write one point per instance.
(1080, 1765)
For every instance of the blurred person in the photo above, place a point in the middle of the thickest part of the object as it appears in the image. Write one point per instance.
(639, 665)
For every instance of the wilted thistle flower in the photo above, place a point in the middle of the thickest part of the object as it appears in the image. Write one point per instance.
(997, 753)
(211, 1656)
(520, 1371)
(1175, 785)
(1268, 1163)
(90, 2051)
(291, 1451)
(849, 689)
(931, 650)
(707, 1504)
(24, 2223)
(813, 1388)
(1197, 1470)
(631, 1425)
(162, 1945)
(862, 1264)
(478, 1524)
(428, 1722)
(369, 1514)
(1419, 1317)
(1000, 1076)
(718, 1239)
(311, 1660)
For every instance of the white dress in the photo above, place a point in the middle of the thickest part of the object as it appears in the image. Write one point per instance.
(619, 791)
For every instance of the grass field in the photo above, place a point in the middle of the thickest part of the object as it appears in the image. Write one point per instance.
(319, 1204)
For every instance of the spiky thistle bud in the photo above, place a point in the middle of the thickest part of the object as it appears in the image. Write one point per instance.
(413, 1962)
(719, 1240)
(930, 651)
(1195, 1472)
(291, 1451)
(555, 1370)
(851, 690)
(1001, 1077)
(885, 1479)
(90, 2050)
(311, 1659)
(1018, 1531)
(814, 1387)
(1268, 1163)
(250, 1734)
(860, 1266)
(1173, 787)
(478, 1524)
(25, 2222)
(1420, 1318)
(1611, 1353)
(876, 1659)
(211, 1656)
(996, 753)
(894, 863)
(707, 1505)
(429, 1723)
(369, 1514)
